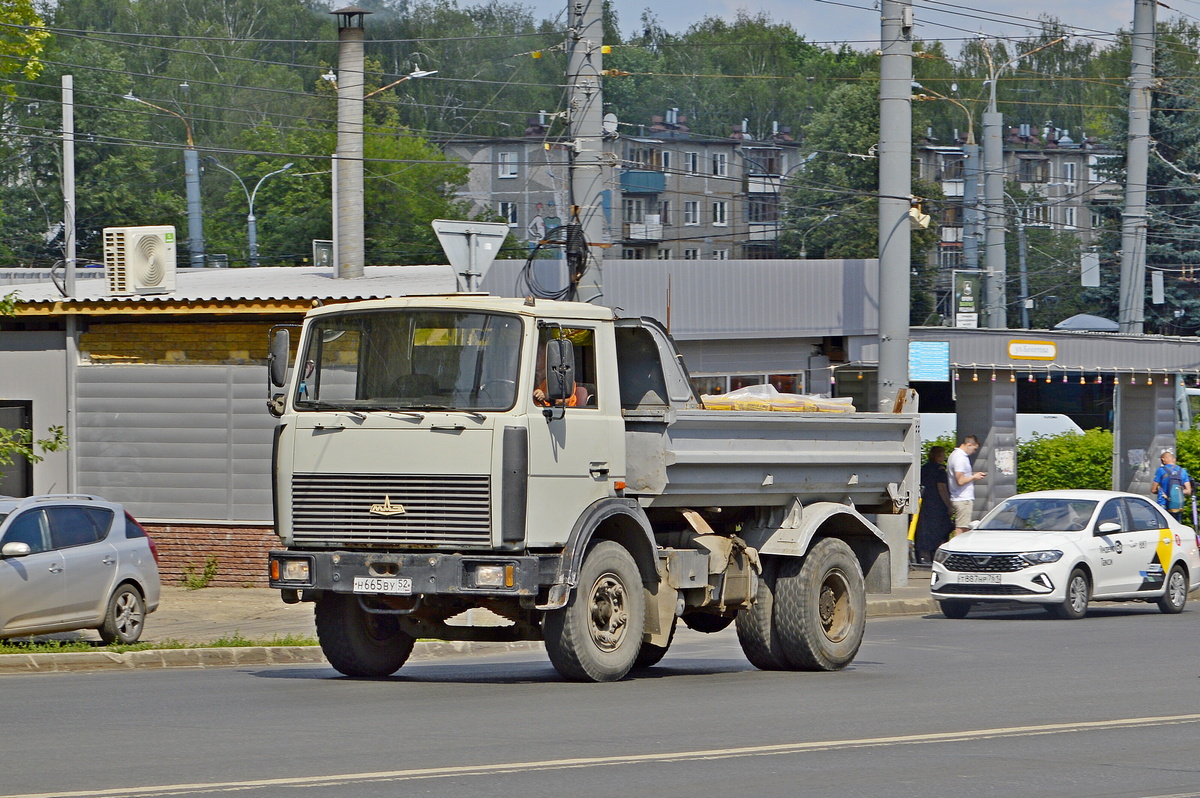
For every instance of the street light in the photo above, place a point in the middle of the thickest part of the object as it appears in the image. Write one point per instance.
(191, 176)
(804, 235)
(993, 189)
(251, 221)
(416, 73)
(970, 176)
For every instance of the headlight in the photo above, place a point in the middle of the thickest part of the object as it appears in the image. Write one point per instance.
(290, 570)
(1039, 557)
(940, 555)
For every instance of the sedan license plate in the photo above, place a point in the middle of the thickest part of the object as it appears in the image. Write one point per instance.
(973, 579)
(390, 586)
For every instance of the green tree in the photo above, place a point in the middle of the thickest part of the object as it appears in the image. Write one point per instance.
(22, 39)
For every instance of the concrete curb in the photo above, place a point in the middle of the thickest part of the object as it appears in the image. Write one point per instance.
(232, 657)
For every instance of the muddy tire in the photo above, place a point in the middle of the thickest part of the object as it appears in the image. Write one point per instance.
(357, 642)
(755, 627)
(821, 607)
(597, 636)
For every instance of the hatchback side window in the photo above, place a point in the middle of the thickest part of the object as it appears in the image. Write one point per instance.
(1109, 513)
(1143, 516)
(30, 528)
(73, 526)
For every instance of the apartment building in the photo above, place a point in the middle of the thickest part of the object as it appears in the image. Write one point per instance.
(678, 195)
(1064, 183)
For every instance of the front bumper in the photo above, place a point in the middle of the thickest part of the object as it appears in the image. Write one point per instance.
(427, 573)
(1035, 585)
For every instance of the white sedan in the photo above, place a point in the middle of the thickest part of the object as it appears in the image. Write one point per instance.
(1063, 548)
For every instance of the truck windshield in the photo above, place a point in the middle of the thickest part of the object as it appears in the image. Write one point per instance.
(410, 360)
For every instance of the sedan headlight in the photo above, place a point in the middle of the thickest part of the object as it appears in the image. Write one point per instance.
(940, 555)
(1041, 557)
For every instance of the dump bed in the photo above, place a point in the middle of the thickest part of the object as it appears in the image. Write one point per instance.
(698, 458)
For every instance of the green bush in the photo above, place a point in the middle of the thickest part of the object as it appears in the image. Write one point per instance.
(1070, 460)
(1187, 452)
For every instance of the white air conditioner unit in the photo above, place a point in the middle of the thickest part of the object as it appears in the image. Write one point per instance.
(139, 260)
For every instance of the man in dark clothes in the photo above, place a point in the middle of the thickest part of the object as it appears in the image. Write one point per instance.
(933, 523)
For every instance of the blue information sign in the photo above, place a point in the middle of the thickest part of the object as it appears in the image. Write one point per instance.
(929, 361)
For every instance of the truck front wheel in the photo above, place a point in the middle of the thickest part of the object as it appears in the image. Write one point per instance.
(821, 607)
(597, 636)
(357, 642)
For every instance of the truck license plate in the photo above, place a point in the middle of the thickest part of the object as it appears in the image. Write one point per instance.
(394, 587)
(965, 579)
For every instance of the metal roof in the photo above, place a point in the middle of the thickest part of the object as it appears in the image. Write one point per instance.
(255, 286)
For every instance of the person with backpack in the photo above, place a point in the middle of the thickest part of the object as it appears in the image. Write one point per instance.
(1172, 484)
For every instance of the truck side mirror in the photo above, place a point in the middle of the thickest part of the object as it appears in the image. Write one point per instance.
(277, 357)
(560, 371)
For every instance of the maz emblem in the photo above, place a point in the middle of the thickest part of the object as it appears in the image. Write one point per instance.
(387, 508)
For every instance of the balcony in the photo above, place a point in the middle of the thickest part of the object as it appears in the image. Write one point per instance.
(649, 230)
(640, 181)
(763, 233)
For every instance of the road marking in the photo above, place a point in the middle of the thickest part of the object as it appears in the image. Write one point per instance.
(590, 762)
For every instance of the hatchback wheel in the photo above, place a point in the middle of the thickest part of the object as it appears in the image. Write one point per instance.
(125, 617)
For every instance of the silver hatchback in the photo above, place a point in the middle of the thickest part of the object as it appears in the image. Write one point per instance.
(75, 562)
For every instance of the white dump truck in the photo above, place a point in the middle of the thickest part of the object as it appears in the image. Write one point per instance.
(552, 463)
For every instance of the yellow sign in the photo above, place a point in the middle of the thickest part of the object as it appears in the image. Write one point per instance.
(1032, 350)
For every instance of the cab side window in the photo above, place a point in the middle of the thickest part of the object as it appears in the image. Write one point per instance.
(1110, 513)
(31, 528)
(583, 342)
(1143, 516)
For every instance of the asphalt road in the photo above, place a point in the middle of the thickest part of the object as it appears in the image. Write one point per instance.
(1004, 703)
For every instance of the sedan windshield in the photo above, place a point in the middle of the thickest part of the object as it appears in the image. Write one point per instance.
(1040, 515)
(410, 360)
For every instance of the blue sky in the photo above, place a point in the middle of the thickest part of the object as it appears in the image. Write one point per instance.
(857, 21)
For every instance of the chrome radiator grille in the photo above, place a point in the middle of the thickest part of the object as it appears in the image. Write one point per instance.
(437, 510)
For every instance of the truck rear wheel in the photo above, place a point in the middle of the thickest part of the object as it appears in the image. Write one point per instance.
(357, 642)
(755, 627)
(597, 636)
(821, 607)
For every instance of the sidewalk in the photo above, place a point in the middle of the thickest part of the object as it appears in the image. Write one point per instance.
(209, 614)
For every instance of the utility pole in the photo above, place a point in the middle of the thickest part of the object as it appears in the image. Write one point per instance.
(1132, 301)
(895, 193)
(585, 227)
(68, 179)
(348, 211)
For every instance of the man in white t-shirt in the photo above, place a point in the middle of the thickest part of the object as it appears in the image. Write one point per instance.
(962, 482)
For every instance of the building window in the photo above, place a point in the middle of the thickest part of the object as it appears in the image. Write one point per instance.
(664, 212)
(950, 256)
(719, 213)
(691, 212)
(1068, 217)
(1031, 170)
(507, 164)
(763, 209)
(720, 164)
(691, 163)
(1095, 173)
(1068, 168)
(763, 161)
(508, 212)
(664, 158)
(691, 254)
(633, 253)
(720, 254)
(639, 158)
(634, 210)
(664, 253)
(952, 167)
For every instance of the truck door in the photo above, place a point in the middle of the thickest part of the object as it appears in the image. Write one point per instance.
(576, 452)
